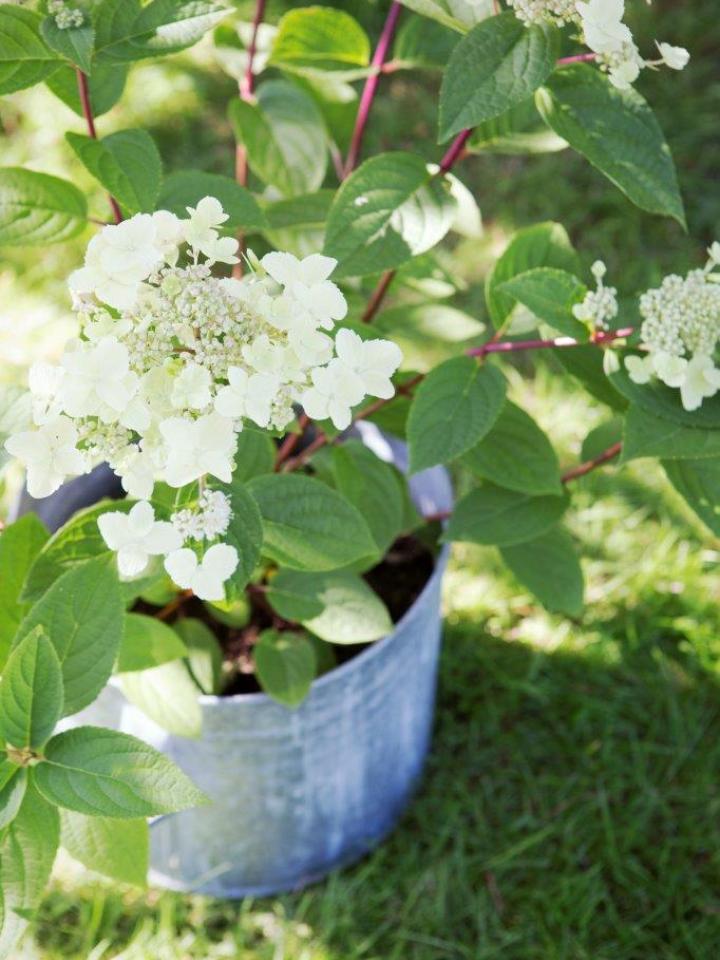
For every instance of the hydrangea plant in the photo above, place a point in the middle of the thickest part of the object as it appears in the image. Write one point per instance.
(233, 330)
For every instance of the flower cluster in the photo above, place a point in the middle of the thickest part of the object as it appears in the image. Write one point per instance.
(680, 332)
(601, 28)
(65, 17)
(171, 361)
(600, 306)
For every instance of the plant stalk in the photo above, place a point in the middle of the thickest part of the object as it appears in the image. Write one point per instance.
(84, 92)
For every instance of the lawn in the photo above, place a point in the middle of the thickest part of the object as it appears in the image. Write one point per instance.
(570, 807)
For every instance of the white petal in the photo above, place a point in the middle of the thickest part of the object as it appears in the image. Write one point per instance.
(163, 538)
(283, 267)
(316, 268)
(221, 561)
(132, 561)
(182, 565)
(115, 529)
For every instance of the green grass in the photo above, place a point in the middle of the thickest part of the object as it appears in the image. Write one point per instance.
(570, 805)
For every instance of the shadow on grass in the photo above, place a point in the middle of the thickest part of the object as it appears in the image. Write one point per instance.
(569, 810)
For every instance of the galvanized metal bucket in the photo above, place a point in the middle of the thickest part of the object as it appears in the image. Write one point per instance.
(298, 793)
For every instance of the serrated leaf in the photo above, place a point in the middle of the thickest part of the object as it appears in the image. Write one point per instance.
(127, 31)
(618, 133)
(664, 402)
(500, 63)
(27, 854)
(285, 666)
(105, 86)
(13, 784)
(320, 39)
(516, 454)
(307, 525)
(493, 515)
(245, 533)
(373, 487)
(389, 210)
(645, 435)
(73, 43)
(452, 410)
(108, 774)
(185, 188)
(549, 567)
(254, 455)
(458, 16)
(428, 333)
(147, 642)
(118, 849)
(25, 58)
(204, 654)
(542, 245)
(698, 482)
(126, 163)
(20, 543)
(284, 136)
(168, 695)
(31, 693)
(337, 607)
(82, 615)
(517, 132)
(36, 208)
(549, 294)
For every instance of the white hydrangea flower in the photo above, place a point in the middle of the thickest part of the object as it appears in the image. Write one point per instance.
(118, 259)
(191, 389)
(335, 390)
(209, 519)
(201, 231)
(677, 58)
(136, 536)
(49, 455)
(701, 380)
(640, 369)
(196, 447)
(602, 24)
(97, 378)
(248, 396)
(44, 381)
(599, 307)
(206, 578)
(373, 361)
(306, 282)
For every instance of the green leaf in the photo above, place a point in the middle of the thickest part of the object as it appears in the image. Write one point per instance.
(373, 487)
(550, 295)
(255, 455)
(452, 410)
(74, 43)
(542, 245)
(307, 525)
(493, 515)
(517, 132)
(549, 567)
(618, 133)
(500, 63)
(285, 666)
(20, 543)
(31, 692)
(13, 784)
(105, 85)
(459, 16)
(168, 695)
(322, 39)
(36, 209)
(664, 402)
(82, 615)
(516, 454)
(297, 224)
(103, 773)
(127, 31)
(27, 854)
(602, 437)
(126, 163)
(698, 482)
(245, 533)
(284, 136)
(645, 435)
(337, 607)
(422, 43)
(586, 364)
(147, 642)
(389, 210)
(25, 58)
(185, 188)
(118, 849)
(204, 654)
(428, 333)
(76, 542)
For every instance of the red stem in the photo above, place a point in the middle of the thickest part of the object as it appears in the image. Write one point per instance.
(368, 94)
(454, 152)
(511, 346)
(84, 91)
(291, 441)
(597, 461)
(578, 58)
(247, 84)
